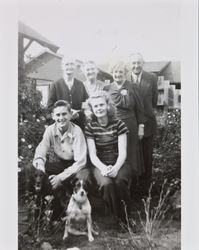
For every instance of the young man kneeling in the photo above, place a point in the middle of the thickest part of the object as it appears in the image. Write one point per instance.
(69, 146)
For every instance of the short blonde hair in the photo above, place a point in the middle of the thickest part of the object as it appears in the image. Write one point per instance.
(111, 112)
(119, 65)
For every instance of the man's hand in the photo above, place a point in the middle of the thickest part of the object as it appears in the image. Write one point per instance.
(55, 181)
(75, 114)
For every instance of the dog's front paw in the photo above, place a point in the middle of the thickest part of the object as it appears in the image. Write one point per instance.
(95, 232)
(90, 238)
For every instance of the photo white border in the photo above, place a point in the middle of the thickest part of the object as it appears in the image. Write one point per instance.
(190, 128)
(8, 125)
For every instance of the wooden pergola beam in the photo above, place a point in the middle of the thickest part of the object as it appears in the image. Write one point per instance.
(25, 31)
(27, 46)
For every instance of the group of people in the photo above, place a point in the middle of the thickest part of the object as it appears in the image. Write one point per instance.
(102, 131)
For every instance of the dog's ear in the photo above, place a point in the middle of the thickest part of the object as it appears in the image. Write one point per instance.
(88, 184)
(36, 171)
(73, 181)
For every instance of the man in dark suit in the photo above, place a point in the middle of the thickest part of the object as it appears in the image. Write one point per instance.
(71, 90)
(147, 83)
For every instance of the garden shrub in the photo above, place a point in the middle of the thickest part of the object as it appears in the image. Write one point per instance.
(167, 148)
(31, 126)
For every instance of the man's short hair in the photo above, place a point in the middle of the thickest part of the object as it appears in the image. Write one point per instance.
(137, 54)
(61, 103)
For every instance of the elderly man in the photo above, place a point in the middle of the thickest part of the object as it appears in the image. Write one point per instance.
(147, 83)
(69, 89)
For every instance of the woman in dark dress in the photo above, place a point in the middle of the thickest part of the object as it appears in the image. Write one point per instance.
(126, 98)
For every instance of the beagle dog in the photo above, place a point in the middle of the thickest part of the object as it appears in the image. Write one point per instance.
(78, 211)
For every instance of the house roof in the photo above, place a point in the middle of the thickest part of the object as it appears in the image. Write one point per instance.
(46, 57)
(43, 57)
(31, 34)
(173, 72)
(155, 67)
(170, 70)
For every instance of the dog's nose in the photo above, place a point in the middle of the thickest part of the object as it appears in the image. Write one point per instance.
(82, 193)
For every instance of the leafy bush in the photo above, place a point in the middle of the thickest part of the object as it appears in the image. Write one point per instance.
(31, 126)
(167, 148)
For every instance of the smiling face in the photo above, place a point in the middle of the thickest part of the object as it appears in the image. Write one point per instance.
(137, 64)
(61, 115)
(69, 68)
(90, 71)
(119, 75)
(99, 107)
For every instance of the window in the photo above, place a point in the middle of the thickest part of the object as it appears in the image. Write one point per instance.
(44, 86)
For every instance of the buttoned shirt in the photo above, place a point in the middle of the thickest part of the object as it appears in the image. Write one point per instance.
(136, 78)
(69, 146)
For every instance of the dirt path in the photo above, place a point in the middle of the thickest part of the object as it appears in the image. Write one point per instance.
(111, 236)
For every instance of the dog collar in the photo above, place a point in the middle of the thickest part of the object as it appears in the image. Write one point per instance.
(79, 204)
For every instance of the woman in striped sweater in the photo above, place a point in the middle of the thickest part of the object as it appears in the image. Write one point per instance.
(107, 145)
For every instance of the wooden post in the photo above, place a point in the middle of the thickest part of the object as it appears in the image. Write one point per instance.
(21, 68)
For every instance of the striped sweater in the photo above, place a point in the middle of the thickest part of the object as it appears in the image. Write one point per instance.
(106, 139)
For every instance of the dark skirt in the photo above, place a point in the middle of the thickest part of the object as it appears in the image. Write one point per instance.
(134, 150)
(115, 191)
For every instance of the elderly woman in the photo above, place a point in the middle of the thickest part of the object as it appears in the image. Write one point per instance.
(92, 84)
(130, 110)
(107, 143)
(70, 89)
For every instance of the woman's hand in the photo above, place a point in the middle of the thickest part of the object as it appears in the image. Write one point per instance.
(105, 170)
(112, 171)
(141, 131)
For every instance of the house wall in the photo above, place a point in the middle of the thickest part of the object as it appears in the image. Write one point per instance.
(50, 71)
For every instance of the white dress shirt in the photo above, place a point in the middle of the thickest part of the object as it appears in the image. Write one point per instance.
(136, 78)
(69, 83)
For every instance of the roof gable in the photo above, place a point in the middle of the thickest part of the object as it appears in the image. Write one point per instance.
(29, 33)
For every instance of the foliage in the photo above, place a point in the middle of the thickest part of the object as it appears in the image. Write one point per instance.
(31, 126)
(154, 216)
(167, 148)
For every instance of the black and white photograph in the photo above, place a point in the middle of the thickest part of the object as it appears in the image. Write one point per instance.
(106, 139)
